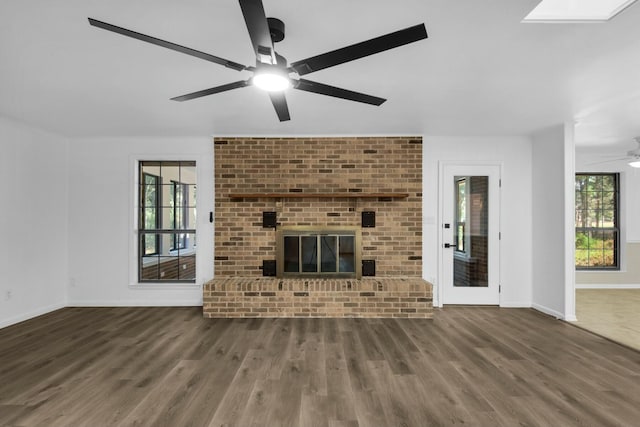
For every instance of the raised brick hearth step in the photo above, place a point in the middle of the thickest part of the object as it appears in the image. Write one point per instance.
(274, 297)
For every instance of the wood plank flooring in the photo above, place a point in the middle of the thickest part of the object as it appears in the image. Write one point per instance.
(477, 366)
(612, 313)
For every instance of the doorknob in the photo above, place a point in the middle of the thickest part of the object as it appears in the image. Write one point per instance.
(449, 245)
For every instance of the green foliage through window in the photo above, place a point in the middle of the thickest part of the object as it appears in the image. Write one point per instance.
(596, 221)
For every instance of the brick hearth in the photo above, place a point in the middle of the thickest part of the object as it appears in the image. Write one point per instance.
(274, 297)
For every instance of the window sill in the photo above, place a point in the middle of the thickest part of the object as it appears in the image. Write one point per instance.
(600, 271)
(165, 286)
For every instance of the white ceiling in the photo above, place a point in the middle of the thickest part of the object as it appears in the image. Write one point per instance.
(480, 72)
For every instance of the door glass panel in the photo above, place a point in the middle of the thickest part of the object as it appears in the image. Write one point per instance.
(309, 254)
(471, 234)
(291, 254)
(328, 252)
(347, 254)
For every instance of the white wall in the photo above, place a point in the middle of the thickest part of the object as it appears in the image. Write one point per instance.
(629, 274)
(553, 186)
(514, 153)
(33, 222)
(102, 237)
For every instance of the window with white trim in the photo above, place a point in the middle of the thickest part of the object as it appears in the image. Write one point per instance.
(596, 221)
(167, 221)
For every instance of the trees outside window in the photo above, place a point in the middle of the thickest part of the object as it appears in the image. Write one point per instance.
(596, 221)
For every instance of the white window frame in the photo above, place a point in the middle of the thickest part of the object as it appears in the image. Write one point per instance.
(204, 251)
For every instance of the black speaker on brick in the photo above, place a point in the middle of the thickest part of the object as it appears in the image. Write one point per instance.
(368, 267)
(269, 219)
(368, 219)
(268, 267)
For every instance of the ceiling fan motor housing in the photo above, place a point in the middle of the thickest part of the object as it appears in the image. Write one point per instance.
(276, 29)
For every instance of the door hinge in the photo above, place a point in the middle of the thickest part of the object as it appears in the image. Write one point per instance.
(499, 235)
(500, 183)
(499, 288)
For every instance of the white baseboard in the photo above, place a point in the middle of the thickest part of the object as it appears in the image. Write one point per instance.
(515, 304)
(137, 303)
(607, 286)
(31, 314)
(547, 310)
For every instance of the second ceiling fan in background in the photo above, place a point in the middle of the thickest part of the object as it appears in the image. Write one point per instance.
(271, 71)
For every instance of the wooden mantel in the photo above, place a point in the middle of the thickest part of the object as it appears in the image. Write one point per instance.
(300, 195)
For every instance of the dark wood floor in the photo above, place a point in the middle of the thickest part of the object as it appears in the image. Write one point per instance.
(171, 367)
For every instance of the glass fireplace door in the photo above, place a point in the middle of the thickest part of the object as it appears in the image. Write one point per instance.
(318, 253)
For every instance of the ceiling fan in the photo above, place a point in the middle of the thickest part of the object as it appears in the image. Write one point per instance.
(271, 72)
(633, 156)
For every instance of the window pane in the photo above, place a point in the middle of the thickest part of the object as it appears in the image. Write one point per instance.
(149, 268)
(190, 218)
(152, 168)
(150, 243)
(170, 171)
(595, 240)
(582, 240)
(347, 257)
(582, 257)
(188, 173)
(309, 254)
(187, 267)
(291, 254)
(329, 262)
(178, 218)
(191, 195)
(608, 200)
(608, 218)
(168, 268)
(149, 219)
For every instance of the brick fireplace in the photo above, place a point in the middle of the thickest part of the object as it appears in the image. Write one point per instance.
(368, 184)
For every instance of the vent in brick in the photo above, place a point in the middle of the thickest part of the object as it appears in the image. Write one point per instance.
(368, 267)
(268, 267)
(368, 219)
(269, 219)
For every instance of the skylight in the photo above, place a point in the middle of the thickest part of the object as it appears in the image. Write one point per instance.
(576, 10)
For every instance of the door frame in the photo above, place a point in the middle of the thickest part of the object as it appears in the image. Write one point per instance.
(442, 165)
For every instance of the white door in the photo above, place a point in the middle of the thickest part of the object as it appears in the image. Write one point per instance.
(470, 233)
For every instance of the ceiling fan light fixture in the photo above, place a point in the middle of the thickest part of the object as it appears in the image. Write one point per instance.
(635, 163)
(272, 79)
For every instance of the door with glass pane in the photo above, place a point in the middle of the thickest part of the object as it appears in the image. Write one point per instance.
(470, 234)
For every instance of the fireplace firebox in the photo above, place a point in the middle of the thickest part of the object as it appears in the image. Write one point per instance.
(329, 251)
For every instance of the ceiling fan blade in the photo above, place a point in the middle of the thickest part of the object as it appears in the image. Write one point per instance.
(280, 104)
(211, 91)
(258, 26)
(168, 45)
(322, 89)
(360, 50)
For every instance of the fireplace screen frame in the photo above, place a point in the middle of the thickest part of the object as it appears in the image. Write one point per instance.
(298, 231)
